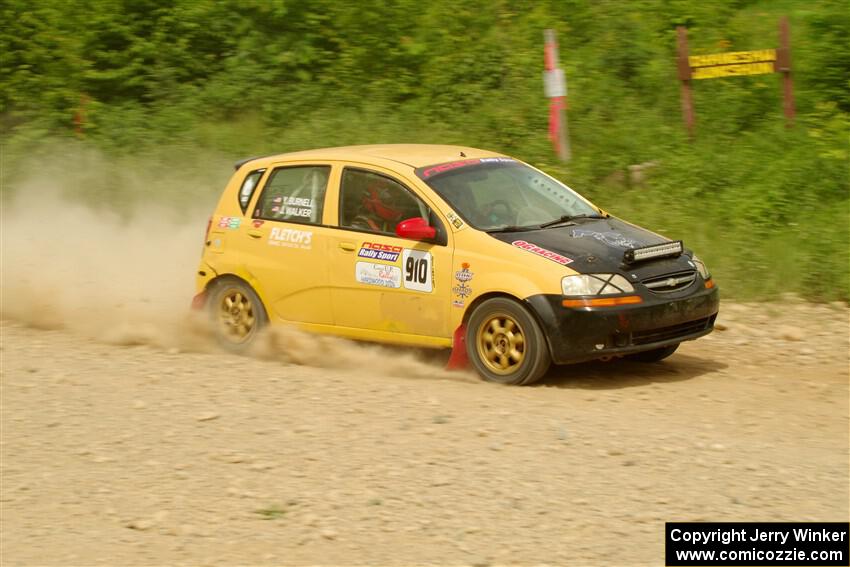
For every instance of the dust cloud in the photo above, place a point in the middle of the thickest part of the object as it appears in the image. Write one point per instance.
(124, 275)
(120, 278)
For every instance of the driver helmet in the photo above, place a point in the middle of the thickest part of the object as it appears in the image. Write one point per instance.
(378, 200)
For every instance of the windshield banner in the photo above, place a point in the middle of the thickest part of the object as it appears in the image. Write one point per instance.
(430, 171)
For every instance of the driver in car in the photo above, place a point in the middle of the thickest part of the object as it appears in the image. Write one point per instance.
(379, 211)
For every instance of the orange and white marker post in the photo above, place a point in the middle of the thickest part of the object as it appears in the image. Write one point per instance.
(555, 86)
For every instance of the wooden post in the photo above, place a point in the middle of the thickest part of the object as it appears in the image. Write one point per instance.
(685, 77)
(80, 116)
(557, 94)
(783, 65)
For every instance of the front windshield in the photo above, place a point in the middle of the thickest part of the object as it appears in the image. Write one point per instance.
(497, 193)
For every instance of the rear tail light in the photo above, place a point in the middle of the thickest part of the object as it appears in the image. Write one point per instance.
(207, 233)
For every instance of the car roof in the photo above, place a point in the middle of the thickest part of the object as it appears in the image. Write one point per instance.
(413, 155)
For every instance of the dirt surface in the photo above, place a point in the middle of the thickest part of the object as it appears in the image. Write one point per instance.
(123, 454)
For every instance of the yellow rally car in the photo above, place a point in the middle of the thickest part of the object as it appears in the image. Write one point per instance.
(444, 246)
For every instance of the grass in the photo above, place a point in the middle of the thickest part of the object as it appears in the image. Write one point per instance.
(273, 512)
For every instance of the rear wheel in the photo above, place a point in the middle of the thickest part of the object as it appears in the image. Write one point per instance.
(237, 314)
(655, 355)
(505, 343)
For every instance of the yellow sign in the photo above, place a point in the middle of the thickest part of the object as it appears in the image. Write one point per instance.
(732, 58)
(733, 70)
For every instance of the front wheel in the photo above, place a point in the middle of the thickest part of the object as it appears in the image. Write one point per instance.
(505, 343)
(237, 314)
(655, 355)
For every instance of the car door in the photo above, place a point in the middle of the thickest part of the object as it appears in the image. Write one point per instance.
(285, 243)
(381, 283)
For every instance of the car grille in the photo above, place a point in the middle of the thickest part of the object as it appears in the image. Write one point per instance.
(669, 283)
(665, 333)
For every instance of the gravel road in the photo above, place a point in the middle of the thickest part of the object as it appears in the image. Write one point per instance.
(135, 454)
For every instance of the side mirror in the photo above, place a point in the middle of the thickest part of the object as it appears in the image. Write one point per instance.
(416, 228)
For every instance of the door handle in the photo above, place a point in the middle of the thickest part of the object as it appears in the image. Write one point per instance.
(347, 246)
(255, 234)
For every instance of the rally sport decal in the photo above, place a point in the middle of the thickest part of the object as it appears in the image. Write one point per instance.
(377, 251)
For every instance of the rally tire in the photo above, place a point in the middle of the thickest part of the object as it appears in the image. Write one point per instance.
(655, 355)
(505, 343)
(236, 313)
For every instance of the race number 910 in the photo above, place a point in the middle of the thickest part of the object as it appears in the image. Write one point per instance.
(418, 270)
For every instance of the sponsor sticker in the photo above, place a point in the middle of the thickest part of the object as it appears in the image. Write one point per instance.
(456, 221)
(378, 274)
(418, 270)
(291, 238)
(462, 289)
(229, 222)
(464, 275)
(496, 160)
(534, 249)
(377, 251)
(257, 223)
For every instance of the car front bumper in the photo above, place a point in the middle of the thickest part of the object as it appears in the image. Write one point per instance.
(587, 333)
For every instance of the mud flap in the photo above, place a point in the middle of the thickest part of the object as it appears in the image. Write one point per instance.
(458, 360)
(199, 301)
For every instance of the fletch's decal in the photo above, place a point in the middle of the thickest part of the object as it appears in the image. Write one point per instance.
(456, 221)
(609, 237)
(418, 274)
(378, 274)
(291, 238)
(382, 252)
(534, 249)
(229, 222)
(462, 289)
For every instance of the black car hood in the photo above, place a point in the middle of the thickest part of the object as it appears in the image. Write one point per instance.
(598, 245)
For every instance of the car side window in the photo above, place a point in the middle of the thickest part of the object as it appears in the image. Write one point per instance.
(294, 194)
(372, 202)
(247, 189)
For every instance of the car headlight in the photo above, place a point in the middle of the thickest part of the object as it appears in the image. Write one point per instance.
(595, 284)
(701, 267)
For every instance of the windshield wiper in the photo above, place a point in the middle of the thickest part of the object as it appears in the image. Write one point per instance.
(512, 228)
(568, 218)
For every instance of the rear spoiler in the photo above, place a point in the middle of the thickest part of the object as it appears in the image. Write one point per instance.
(242, 162)
(634, 255)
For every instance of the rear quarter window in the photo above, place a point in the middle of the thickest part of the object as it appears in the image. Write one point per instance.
(246, 191)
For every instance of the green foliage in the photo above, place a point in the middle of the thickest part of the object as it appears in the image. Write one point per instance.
(160, 81)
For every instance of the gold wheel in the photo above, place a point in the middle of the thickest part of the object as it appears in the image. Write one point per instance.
(236, 317)
(501, 344)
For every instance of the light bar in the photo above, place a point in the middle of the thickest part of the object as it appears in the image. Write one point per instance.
(655, 251)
